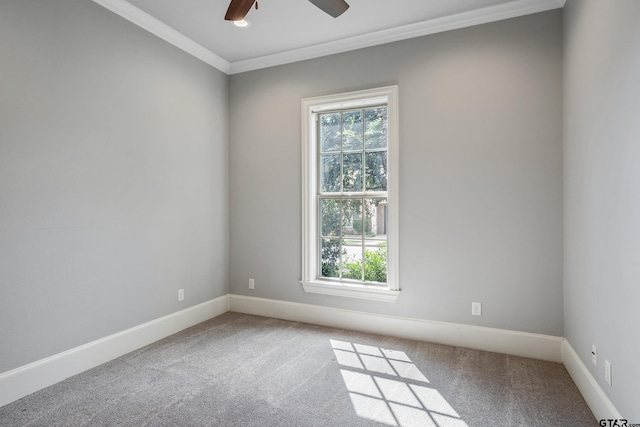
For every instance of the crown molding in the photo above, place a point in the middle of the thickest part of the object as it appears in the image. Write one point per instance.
(165, 32)
(485, 15)
(461, 20)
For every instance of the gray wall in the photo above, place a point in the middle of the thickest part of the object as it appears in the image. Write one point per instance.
(113, 177)
(602, 190)
(481, 172)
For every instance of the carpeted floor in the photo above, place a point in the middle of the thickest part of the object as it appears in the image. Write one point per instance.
(240, 370)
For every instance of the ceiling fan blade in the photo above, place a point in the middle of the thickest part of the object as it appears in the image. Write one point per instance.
(334, 8)
(238, 9)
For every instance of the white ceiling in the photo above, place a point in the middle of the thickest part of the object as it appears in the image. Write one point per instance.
(283, 31)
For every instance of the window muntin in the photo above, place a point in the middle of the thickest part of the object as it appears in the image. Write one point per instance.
(355, 132)
(352, 194)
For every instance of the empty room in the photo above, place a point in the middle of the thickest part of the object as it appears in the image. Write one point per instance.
(319, 213)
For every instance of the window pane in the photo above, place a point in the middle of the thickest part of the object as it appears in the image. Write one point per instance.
(375, 218)
(376, 171)
(375, 127)
(330, 132)
(330, 173)
(375, 261)
(330, 257)
(352, 172)
(352, 259)
(330, 217)
(352, 130)
(362, 224)
(351, 214)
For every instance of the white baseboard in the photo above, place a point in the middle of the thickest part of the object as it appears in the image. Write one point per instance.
(35, 376)
(593, 394)
(544, 347)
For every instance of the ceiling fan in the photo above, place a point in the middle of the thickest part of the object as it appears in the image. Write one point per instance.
(238, 9)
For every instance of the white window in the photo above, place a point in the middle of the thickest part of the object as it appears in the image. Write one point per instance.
(350, 194)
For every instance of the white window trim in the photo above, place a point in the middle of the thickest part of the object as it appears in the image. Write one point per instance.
(310, 108)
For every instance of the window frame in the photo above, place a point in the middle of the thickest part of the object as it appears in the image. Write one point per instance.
(310, 109)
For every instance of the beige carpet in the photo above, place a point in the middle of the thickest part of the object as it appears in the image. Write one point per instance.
(240, 370)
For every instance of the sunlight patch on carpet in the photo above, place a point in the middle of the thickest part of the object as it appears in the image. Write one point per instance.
(385, 386)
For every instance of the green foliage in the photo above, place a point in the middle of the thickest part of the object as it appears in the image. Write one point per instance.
(375, 266)
(342, 169)
(330, 251)
(375, 122)
(330, 172)
(352, 130)
(330, 255)
(352, 269)
(376, 171)
(352, 153)
(330, 134)
(357, 225)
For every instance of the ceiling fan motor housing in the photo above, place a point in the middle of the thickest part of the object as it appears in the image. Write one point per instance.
(238, 9)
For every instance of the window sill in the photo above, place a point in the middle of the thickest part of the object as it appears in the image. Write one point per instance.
(352, 291)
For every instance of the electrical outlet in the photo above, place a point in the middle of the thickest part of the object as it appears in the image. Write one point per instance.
(476, 308)
(607, 371)
(594, 355)
(180, 295)
(252, 284)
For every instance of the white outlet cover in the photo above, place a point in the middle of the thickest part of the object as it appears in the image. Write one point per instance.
(607, 371)
(476, 308)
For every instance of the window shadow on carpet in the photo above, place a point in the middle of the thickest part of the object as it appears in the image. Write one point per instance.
(385, 386)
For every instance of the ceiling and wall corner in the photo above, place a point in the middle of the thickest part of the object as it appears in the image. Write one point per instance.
(165, 32)
(197, 27)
